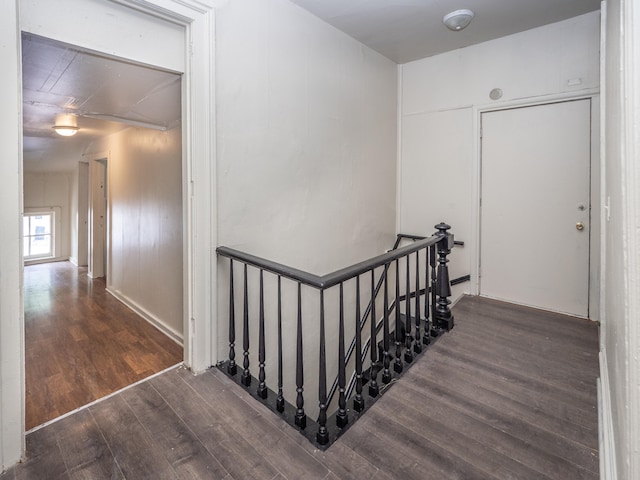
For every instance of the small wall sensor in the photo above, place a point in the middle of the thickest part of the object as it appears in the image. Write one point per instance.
(495, 94)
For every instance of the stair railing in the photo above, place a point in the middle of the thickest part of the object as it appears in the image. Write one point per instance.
(393, 335)
(424, 291)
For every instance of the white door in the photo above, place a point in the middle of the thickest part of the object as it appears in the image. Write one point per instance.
(534, 233)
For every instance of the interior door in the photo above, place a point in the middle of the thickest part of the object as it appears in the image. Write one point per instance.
(535, 210)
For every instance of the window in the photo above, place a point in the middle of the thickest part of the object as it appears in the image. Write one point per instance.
(38, 235)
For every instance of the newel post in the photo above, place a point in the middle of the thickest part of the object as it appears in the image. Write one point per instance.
(443, 317)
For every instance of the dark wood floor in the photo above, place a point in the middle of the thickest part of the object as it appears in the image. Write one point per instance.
(510, 393)
(81, 343)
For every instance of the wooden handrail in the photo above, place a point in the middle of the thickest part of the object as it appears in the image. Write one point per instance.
(330, 279)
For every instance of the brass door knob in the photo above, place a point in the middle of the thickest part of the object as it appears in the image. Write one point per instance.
(579, 226)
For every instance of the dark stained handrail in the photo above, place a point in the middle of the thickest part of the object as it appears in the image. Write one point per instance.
(400, 236)
(330, 279)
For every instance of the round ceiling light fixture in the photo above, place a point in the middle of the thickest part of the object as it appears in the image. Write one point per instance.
(458, 20)
(66, 125)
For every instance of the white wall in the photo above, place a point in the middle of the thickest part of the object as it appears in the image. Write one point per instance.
(306, 151)
(47, 191)
(620, 332)
(145, 223)
(306, 138)
(440, 100)
(11, 325)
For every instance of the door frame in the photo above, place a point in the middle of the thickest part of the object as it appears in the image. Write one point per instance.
(199, 204)
(103, 257)
(595, 230)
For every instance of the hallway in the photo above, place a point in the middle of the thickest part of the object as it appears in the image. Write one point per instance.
(81, 343)
(510, 392)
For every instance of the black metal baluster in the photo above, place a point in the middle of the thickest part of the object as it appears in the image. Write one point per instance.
(280, 399)
(323, 435)
(426, 339)
(341, 417)
(301, 417)
(262, 386)
(417, 346)
(397, 365)
(408, 352)
(232, 368)
(246, 375)
(434, 279)
(358, 401)
(374, 390)
(426, 284)
(386, 374)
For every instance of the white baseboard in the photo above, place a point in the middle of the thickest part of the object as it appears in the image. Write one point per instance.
(75, 262)
(605, 424)
(149, 317)
(37, 261)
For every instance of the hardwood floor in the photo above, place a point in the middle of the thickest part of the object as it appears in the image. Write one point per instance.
(81, 343)
(509, 393)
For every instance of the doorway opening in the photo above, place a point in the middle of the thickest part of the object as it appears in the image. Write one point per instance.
(172, 25)
(97, 219)
(109, 311)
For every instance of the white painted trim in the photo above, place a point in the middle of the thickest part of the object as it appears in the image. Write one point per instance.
(98, 260)
(478, 110)
(606, 446)
(399, 226)
(148, 316)
(595, 215)
(631, 214)
(201, 339)
(603, 170)
(539, 100)
(90, 158)
(534, 307)
(474, 248)
(517, 102)
(11, 205)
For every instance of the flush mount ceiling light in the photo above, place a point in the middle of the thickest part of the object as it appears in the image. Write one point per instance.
(66, 125)
(458, 20)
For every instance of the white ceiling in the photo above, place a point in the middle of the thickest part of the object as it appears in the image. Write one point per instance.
(59, 78)
(406, 30)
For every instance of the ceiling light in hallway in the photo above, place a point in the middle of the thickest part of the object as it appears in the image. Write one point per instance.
(66, 125)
